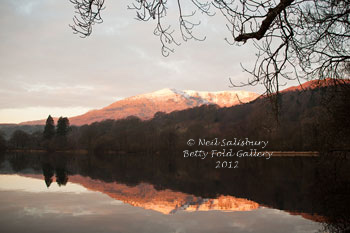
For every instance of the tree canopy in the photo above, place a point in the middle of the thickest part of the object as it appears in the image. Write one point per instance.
(62, 126)
(2, 142)
(49, 130)
(293, 38)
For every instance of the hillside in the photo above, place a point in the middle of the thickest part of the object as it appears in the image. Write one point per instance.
(314, 118)
(308, 119)
(167, 100)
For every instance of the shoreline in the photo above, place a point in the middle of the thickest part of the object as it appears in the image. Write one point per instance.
(82, 151)
(295, 153)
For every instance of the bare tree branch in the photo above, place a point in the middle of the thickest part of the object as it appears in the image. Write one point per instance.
(266, 23)
(294, 39)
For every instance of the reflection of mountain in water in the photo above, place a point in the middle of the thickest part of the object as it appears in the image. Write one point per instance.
(301, 185)
(165, 201)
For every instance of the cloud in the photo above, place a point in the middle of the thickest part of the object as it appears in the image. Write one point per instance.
(26, 7)
(44, 64)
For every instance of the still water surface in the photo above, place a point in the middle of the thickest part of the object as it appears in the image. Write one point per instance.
(84, 193)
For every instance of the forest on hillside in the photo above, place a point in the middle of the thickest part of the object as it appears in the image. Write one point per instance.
(299, 120)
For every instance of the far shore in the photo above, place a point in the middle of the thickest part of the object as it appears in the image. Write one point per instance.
(295, 153)
(275, 153)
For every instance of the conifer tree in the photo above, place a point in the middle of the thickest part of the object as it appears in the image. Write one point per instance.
(49, 131)
(62, 126)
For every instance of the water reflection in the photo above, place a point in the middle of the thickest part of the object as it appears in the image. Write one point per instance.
(48, 172)
(305, 188)
(164, 201)
(94, 212)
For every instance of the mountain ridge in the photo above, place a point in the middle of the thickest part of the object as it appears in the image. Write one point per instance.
(144, 106)
(165, 100)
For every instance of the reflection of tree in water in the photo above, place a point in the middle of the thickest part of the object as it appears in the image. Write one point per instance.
(61, 176)
(313, 185)
(51, 168)
(19, 163)
(333, 192)
(48, 172)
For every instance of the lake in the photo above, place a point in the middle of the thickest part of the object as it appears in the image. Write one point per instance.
(63, 192)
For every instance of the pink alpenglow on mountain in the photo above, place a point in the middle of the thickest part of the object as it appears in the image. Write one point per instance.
(166, 100)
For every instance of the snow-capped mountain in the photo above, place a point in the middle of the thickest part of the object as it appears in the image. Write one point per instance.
(166, 100)
(221, 98)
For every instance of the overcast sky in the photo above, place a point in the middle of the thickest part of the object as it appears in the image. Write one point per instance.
(46, 69)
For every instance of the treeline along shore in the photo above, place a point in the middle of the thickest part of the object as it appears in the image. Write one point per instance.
(298, 120)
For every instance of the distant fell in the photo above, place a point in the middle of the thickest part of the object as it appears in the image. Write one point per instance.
(166, 100)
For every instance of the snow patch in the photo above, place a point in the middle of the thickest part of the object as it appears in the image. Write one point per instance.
(222, 98)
